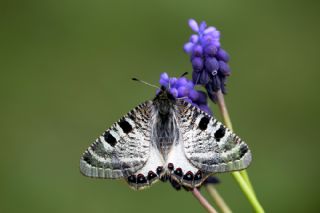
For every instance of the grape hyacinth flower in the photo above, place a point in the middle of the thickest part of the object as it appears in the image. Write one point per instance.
(184, 88)
(209, 60)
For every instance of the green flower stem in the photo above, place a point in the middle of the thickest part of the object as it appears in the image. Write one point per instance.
(218, 199)
(248, 192)
(245, 176)
(203, 201)
(241, 177)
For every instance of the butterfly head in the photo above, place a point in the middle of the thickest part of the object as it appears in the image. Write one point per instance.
(164, 101)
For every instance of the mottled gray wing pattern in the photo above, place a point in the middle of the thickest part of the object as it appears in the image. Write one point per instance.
(208, 144)
(123, 148)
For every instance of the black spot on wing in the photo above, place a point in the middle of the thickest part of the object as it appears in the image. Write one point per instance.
(203, 124)
(141, 179)
(125, 126)
(87, 157)
(151, 175)
(110, 139)
(220, 133)
(243, 150)
(132, 179)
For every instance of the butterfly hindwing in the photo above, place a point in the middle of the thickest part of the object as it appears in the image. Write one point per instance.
(122, 149)
(208, 144)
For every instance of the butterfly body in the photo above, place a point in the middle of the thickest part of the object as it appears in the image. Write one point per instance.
(166, 138)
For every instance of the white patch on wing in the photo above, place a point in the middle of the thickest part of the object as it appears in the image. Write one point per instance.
(152, 163)
(177, 157)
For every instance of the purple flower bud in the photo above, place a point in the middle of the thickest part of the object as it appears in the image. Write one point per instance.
(194, 38)
(174, 92)
(216, 34)
(181, 82)
(204, 78)
(164, 76)
(224, 68)
(172, 82)
(216, 43)
(211, 64)
(223, 88)
(210, 50)
(223, 55)
(194, 95)
(197, 64)
(188, 47)
(190, 85)
(197, 51)
(203, 26)
(209, 30)
(183, 91)
(164, 79)
(163, 82)
(193, 25)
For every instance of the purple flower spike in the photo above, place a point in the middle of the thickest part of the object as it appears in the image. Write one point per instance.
(208, 59)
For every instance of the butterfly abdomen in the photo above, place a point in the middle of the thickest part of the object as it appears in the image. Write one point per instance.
(165, 132)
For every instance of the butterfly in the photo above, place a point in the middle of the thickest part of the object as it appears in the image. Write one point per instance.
(165, 138)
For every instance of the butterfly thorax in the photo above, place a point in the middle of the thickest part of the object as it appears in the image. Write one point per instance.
(165, 130)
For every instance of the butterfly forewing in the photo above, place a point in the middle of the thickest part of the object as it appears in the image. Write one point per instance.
(122, 149)
(209, 145)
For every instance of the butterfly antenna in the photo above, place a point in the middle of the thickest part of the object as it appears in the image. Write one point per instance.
(184, 74)
(151, 85)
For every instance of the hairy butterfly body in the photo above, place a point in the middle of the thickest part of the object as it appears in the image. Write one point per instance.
(166, 138)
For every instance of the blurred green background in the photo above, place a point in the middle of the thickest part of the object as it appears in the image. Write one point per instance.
(65, 77)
